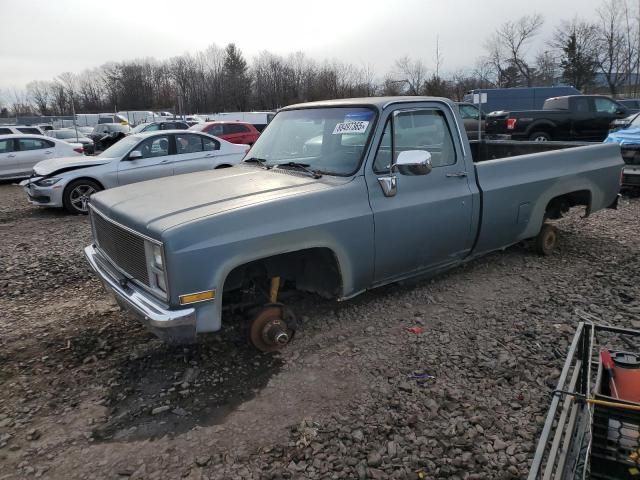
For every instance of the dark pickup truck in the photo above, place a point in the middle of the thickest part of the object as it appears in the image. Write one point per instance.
(574, 117)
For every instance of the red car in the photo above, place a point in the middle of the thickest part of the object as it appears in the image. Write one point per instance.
(234, 132)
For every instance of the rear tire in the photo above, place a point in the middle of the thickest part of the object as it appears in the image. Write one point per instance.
(547, 240)
(75, 197)
(540, 137)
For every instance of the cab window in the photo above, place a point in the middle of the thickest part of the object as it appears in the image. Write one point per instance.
(467, 111)
(604, 105)
(416, 130)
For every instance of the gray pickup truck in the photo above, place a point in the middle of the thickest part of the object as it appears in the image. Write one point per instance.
(335, 197)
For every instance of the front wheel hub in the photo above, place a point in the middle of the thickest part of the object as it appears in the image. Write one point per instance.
(269, 331)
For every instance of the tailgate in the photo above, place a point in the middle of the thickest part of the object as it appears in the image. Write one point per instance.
(496, 124)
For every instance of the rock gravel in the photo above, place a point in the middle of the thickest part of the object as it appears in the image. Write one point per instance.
(86, 392)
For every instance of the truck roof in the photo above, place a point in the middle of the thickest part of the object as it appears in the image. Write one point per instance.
(378, 102)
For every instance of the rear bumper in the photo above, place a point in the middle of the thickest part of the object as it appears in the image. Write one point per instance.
(173, 326)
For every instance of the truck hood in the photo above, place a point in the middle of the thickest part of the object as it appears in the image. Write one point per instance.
(154, 206)
(52, 165)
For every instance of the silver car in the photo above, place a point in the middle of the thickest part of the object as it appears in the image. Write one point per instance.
(69, 182)
(19, 153)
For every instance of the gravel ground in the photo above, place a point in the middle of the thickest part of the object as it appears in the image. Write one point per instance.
(87, 393)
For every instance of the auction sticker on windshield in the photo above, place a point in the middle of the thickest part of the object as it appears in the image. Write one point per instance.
(350, 127)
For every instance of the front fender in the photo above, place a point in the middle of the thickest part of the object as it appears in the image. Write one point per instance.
(201, 254)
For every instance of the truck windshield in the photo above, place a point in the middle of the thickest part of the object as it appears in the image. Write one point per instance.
(328, 140)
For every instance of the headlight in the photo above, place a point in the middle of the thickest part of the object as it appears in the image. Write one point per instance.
(47, 182)
(157, 256)
(155, 267)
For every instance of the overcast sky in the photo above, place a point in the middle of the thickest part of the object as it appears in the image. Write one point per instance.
(39, 39)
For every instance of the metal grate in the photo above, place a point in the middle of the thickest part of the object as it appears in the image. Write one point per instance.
(631, 180)
(125, 249)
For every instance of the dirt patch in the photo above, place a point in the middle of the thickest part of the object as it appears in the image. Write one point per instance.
(87, 392)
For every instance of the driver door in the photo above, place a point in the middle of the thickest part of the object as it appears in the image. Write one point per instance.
(426, 222)
(154, 163)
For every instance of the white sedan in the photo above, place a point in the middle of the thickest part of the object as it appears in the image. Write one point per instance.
(69, 182)
(20, 152)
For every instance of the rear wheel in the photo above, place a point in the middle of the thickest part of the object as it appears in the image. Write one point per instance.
(76, 196)
(547, 240)
(540, 137)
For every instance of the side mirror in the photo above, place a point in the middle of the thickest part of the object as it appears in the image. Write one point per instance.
(413, 162)
(135, 155)
(621, 110)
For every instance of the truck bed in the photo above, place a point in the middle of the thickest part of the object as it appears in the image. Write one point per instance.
(495, 149)
(518, 181)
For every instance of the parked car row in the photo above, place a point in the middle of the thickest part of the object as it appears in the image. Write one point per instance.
(69, 182)
(20, 153)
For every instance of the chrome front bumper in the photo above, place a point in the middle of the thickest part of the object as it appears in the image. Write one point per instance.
(173, 326)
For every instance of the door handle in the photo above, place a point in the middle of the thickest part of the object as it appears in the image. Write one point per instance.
(48, 152)
(164, 161)
(11, 155)
(456, 174)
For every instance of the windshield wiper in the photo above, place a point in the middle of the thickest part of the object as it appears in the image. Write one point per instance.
(300, 166)
(258, 161)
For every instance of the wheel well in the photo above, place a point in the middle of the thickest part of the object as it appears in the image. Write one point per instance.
(561, 204)
(84, 178)
(312, 270)
(540, 127)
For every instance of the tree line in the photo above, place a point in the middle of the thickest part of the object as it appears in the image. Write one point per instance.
(601, 54)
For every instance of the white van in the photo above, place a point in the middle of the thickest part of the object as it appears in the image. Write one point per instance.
(93, 119)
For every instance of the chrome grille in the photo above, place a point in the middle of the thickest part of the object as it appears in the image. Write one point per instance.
(124, 248)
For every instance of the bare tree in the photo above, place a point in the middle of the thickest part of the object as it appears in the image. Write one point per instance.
(414, 73)
(40, 94)
(19, 102)
(612, 48)
(507, 48)
(546, 68)
(59, 98)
